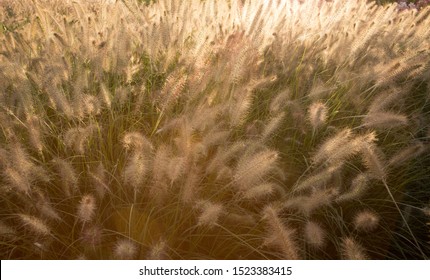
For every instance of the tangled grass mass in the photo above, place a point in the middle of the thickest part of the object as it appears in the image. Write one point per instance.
(279, 129)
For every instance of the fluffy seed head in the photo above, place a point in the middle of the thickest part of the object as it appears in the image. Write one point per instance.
(411, 152)
(384, 120)
(135, 171)
(48, 211)
(272, 126)
(91, 104)
(125, 250)
(91, 235)
(332, 145)
(176, 168)
(319, 179)
(21, 159)
(35, 224)
(191, 185)
(317, 114)
(34, 132)
(366, 221)
(99, 180)
(251, 169)
(351, 250)
(210, 213)
(136, 141)
(359, 185)
(161, 160)
(86, 208)
(373, 159)
(259, 192)
(76, 138)
(105, 95)
(68, 176)
(280, 236)
(158, 251)
(314, 234)
(307, 204)
(17, 180)
(240, 219)
(278, 103)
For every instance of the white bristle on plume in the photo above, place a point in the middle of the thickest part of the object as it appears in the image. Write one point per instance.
(35, 224)
(366, 221)
(352, 250)
(210, 213)
(87, 208)
(125, 250)
(317, 114)
(314, 234)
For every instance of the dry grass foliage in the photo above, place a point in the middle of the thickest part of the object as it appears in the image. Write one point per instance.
(209, 129)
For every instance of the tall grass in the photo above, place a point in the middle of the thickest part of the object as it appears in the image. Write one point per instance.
(212, 129)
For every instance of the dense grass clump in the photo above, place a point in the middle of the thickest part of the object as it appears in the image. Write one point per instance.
(214, 130)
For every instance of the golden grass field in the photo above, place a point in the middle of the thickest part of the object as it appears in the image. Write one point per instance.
(279, 129)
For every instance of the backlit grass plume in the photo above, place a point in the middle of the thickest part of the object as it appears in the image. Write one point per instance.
(213, 130)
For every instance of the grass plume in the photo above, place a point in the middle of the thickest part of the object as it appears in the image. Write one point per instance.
(212, 129)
